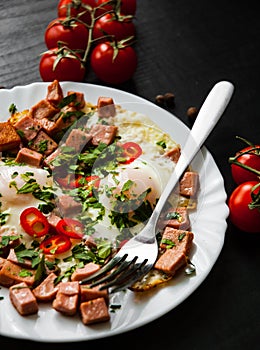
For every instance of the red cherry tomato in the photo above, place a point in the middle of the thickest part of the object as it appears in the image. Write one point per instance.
(131, 151)
(71, 228)
(62, 65)
(56, 244)
(249, 157)
(71, 32)
(111, 66)
(241, 215)
(34, 222)
(127, 7)
(111, 25)
(77, 8)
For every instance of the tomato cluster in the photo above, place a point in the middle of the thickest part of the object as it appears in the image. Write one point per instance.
(244, 201)
(95, 33)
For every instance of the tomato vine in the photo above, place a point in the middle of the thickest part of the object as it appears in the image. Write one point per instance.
(80, 28)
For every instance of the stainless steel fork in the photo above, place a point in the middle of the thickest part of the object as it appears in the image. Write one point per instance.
(139, 254)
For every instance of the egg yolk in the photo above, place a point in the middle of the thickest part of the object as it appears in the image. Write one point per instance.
(127, 188)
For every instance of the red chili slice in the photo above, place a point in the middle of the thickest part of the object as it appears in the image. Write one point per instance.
(34, 222)
(131, 151)
(56, 244)
(71, 228)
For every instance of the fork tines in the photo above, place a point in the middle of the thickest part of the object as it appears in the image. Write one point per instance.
(119, 272)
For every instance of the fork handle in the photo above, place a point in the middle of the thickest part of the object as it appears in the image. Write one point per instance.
(208, 116)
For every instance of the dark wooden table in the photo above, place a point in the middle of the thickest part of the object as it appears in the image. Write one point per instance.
(183, 47)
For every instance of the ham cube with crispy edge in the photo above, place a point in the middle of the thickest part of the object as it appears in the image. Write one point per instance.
(27, 127)
(9, 139)
(84, 272)
(54, 93)
(103, 133)
(23, 299)
(43, 144)
(28, 156)
(106, 107)
(94, 311)
(46, 290)
(67, 298)
(174, 154)
(43, 109)
(79, 101)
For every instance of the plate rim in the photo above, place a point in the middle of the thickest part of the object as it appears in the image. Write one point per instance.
(116, 331)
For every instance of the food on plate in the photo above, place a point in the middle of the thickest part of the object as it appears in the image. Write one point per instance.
(83, 179)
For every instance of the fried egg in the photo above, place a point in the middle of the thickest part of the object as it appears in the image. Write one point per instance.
(12, 202)
(125, 188)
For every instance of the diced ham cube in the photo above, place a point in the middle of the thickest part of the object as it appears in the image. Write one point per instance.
(69, 288)
(84, 272)
(63, 120)
(9, 139)
(53, 221)
(67, 298)
(103, 133)
(94, 311)
(54, 93)
(174, 154)
(106, 107)
(23, 299)
(27, 127)
(189, 184)
(90, 293)
(67, 206)
(79, 101)
(2, 261)
(12, 243)
(178, 244)
(46, 290)
(78, 139)
(49, 159)
(27, 263)
(11, 274)
(28, 156)
(177, 218)
(43, 109)
(43, 144)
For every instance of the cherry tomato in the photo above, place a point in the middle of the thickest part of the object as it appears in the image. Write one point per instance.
(127, 7)
(34, 222)
(56, 244)
(71, 228)
(131, 151)
(249, 157)
(61, 64)
(71, 32)
(111, 25)
(77, 8)
(111, 66)
(241, 215)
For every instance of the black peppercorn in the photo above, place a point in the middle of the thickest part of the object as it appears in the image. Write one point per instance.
(169, 99)
(159, 99)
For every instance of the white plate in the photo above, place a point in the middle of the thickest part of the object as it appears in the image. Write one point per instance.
(208, 225)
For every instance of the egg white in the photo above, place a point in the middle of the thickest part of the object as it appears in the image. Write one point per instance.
(14, 203)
